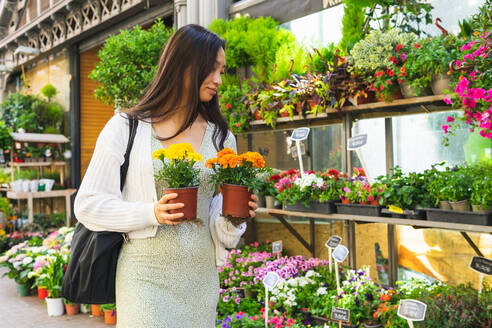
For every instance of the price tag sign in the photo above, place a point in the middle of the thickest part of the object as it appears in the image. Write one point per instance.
(333, 242)
(340, 315)
(277, 246)
(481, 265)
(340, 253)
(271, 280)
(357, 142)
(2, 157)
(300, 134)
(240, 292)
(412, 310)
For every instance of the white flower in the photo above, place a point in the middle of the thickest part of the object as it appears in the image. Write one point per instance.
(321, 291)
(308, 180)
(312, 273)
(3, 258)
(68, 238)
(17, 265)
(27, 260)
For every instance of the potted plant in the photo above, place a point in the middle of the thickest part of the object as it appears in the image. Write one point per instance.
(109, 313)
(96, 311)
(179, 171)
(427, 63)
(355, 195)
(481, 193)
(19, 265)
(54, 269)
(237, 176)
(373, 55)
(269, 190)
(71, 308)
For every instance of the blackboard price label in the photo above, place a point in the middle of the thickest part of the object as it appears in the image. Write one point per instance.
(412, 310)
(357, 142)
(277, 246)
(240, 292)
(481, 265)
(271, 279)
(333, 242)
(340, 253)
(300, 134)
(339, 314)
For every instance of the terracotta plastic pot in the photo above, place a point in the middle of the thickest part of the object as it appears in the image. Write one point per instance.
(96, 311)
(346, 201)
(42, 293)
(462, 205)
(22, 290)
(187, 196)
(364, 203)
(439, 83)
(396, 95)
(444, 205)
(54, 306)
(110, 317)
(375, 202)
(72, 309)
(235, 201)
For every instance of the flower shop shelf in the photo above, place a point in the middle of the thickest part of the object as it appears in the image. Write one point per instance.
(416, 105)
(44, 194)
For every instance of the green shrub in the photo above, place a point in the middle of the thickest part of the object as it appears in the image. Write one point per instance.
(128, 62)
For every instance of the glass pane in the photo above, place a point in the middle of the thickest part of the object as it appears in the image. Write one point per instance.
(327, 147)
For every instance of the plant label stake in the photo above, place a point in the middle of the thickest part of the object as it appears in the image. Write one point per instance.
(355, 143)
(482, 266)
(331, 244)
(412, 310)
(298, 135)
(277, 248)
(270, 281)
(340, 315)
(339, 255)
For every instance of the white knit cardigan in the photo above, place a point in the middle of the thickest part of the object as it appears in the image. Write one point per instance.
(101, 206)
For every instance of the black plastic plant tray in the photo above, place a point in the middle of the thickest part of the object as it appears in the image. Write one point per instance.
(323, 208)
(358, 209)
(465, 217)
(407, 214)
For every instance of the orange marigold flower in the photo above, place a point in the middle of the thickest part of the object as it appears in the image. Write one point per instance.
(225, 151)
(254, 158)
(210, 162)
(228, 160)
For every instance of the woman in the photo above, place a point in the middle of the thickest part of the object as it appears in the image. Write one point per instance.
(166, 274)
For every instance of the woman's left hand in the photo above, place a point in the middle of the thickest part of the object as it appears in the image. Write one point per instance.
(253, 204)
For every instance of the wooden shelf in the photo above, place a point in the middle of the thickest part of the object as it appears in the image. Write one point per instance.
(38, 164)
(399, 107)
(378, 219)
(40, 194)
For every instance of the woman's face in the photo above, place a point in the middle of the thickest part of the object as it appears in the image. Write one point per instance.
(209, 86)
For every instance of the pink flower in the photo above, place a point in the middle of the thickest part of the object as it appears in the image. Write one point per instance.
(445, 128)
(448, 101)
(450, 119)
(468, 56)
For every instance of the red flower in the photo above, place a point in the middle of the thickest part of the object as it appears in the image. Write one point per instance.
(381, 87)
(389, 82)
(390, 72)
(398, 47)
(275, 177)
(292, 171)
(238, 124)
(450, 119)
(228, 106)
(379, 73)
(333, 172)
(393, 60)
(399, 81)
(417, 45)
(65, 268)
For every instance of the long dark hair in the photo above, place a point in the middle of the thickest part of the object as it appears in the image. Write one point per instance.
(191, 50)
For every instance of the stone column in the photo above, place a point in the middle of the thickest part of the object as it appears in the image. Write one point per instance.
(192, 10)
(206, 11)
(180, 13)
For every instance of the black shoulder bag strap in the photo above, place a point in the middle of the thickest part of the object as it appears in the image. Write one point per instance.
(133, 124)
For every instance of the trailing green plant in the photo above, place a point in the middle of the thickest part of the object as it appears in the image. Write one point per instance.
(26, 174)
(49, 91)
(430, 57)
(5, 137)
(5, 207)
(252, 42)
(128, 62)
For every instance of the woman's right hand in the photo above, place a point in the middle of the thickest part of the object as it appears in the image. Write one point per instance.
(162, 208)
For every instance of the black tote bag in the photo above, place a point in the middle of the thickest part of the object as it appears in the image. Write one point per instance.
(91, 272)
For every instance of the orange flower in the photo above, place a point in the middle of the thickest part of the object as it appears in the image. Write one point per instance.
(225, 151)
(254, 158)
(210, 162)
(386, 297)
(228, 160)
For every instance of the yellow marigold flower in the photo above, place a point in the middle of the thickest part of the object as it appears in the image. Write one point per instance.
(158, 153)
(210, 162)
(225, 151)
(179, 151)
(195, 157)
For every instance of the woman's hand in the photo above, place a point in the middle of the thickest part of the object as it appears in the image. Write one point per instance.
(254, 205)
(162, 208)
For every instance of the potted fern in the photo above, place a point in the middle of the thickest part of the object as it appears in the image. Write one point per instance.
(179, 171)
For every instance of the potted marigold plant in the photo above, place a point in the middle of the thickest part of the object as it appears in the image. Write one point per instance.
(109, 313)
(179, 171)
(238, 177)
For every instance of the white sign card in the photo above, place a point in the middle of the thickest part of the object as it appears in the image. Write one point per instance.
(412, 310)
(271, 279)
(340, 253)
(277, 247)
(300, 134)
